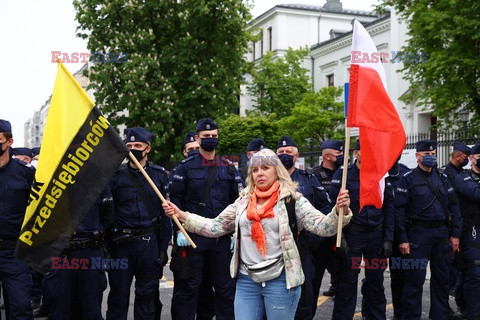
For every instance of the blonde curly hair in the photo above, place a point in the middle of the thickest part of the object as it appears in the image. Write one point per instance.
(269, 158)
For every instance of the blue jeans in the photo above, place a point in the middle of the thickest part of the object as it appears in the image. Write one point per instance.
(252, 300)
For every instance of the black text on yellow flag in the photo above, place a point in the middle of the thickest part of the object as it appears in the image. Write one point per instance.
(80, 152)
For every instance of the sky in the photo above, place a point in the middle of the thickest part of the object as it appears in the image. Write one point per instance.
(30, 30)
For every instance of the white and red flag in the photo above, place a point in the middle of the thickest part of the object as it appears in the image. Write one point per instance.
(382, 136)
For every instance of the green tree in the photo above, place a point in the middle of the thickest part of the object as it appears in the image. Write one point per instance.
(185, 62)
(236, 132)
(280, 82)
(445, 34)
(318, 116)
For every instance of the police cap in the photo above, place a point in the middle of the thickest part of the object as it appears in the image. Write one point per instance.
(190, 137)
(425, 145)
(5, 126)
(36, 151)
(256, 144)
(332, 144)
(206, 124)
(22, 152)
(462, 148)
(476, 148)
(357, 145)
(138, 134)
(286, 141)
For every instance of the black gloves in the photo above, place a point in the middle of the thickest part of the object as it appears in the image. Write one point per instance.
(387, 249)
(163, 256)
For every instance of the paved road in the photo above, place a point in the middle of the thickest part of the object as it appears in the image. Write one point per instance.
(325, 304)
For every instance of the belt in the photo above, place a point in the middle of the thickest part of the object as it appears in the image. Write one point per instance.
(78, 244)
(429, 224)
(139, 232)
(363, 228)
(472, 262)
(6, 244)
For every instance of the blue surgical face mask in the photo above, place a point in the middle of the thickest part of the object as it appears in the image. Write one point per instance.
(208, 144)
(339, 162)
(287, 160)
(193, 152)
(429, 161)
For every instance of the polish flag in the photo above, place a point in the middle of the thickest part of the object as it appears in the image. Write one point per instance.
(382, 136)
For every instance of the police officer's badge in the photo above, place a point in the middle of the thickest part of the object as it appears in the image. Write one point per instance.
(207, 126)
(191, 139)
(284, 143)
(431, 147)
(132, 138)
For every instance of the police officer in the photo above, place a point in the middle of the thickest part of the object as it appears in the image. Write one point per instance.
(205, 184)
(467, 187)
(23, 154)
(140, 232)
(77, 293)
(369, 234)
(311, 189)
(190, 145)
(332, 159)
(428, 223)
(397, 275)
(255, 145)
(459, 159)
(205, 308)
(16, 179)
(35, 154)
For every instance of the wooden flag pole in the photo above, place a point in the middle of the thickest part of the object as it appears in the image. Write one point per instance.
(159, 194)
(344, 182)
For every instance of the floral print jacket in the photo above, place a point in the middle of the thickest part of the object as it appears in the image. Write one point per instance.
(307, 217)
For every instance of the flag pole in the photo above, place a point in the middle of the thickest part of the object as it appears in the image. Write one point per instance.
(345, 163)
(159, 194)
(344, 183)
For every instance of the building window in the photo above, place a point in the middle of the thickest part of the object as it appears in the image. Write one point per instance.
(270, 45)
(253, 50)
(330, 80)
(261, 48)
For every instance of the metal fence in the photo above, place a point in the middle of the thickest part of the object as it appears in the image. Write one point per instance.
(444, 140)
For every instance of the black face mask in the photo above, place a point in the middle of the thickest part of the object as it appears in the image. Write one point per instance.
(464, 163)
(287, 160)
(193, 152)
(209, 144)
(138, 154)
(1, 149)
(339, 162)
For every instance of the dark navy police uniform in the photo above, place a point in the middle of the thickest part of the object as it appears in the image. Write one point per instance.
(187, 185)
(78, 293)
(16, 179)
(468, 192)
(134, 237)
(318, 197)
(365, 235)
(421, 220)
(397, 275)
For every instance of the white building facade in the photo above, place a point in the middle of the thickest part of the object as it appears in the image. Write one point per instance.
(327, 31)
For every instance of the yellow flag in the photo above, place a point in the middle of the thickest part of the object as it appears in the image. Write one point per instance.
(80, 152)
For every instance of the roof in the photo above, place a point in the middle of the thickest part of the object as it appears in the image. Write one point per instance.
(309, 7)
(366, 25)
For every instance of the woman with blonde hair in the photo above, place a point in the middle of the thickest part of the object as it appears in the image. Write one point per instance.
(266, 261)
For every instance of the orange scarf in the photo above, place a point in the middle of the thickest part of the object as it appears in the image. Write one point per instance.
(265, 211)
